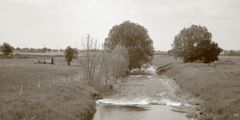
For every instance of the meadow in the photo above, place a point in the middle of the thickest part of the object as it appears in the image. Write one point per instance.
(43, 91)
(216, 84)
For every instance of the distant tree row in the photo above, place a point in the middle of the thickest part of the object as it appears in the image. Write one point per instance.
(34, 50)
(231, 53)
(191, 44)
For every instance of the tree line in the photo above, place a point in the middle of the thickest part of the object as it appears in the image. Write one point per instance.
(190, 44)
(129, 46)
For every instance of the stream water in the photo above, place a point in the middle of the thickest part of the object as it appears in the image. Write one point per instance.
(142, 97)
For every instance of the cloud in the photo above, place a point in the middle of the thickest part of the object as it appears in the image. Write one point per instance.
(34, 22)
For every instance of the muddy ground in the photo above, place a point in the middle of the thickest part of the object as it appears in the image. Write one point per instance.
(216, 84)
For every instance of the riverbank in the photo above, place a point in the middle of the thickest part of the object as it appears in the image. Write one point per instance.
(217, 84)
(44, 92)
(143, 97)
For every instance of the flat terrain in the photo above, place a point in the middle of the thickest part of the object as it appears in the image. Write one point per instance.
(217, 84)
(42, 91)
(48, 92)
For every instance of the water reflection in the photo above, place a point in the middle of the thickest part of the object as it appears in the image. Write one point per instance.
(143, 112)
(128, 108)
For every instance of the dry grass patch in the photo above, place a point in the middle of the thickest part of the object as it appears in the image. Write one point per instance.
(48, 92)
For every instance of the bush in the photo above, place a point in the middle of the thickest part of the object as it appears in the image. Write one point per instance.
(135, 38)
(195, 43)
(6, 49)
(70, 54)
(119, 61)
(102, 68)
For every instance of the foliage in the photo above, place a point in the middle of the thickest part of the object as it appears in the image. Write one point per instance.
(232, 53)
(118, 61)
(34, 50)
(70, 54)
(102, 68)
(44, 50)
(6, 49)
(135, 38)
(195, 43)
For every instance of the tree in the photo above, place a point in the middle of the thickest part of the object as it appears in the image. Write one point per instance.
(6, 49)
(70, 53)
(101, 68)
(195, 43)
(118, 61)
(135, 39)
(44, 50)
(112, 65)
(89, 61)
(18, 49)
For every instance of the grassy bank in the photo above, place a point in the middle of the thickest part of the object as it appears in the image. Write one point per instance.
(41, 91)
(217, 84)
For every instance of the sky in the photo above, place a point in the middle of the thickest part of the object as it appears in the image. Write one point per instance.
(59, 23)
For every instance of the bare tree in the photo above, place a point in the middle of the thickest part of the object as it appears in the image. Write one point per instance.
(102, 67)
(88, 59)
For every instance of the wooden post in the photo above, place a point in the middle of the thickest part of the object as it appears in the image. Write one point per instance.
(21, 90)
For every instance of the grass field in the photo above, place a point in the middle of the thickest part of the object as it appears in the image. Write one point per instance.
(42, 91)
(217, 84)
(58, 92)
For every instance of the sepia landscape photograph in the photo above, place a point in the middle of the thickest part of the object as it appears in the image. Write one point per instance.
(119, 60)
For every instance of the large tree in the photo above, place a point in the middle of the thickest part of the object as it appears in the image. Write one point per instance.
(195, 43)
(135, 38)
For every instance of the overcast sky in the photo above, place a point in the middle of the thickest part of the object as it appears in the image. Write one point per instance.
(59, 23)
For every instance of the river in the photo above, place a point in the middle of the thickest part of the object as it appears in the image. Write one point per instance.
(143, 97)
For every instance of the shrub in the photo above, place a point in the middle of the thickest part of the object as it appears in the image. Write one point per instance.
(6, 49)
(195, 43)
(119, 61)
(102, 68)
(70, 54)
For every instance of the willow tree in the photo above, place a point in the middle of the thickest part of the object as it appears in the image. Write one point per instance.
(195, 43)
(135, 39)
